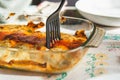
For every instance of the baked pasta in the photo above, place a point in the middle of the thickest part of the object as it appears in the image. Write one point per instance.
(24, 48)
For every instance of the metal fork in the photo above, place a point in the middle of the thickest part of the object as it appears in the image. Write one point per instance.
(53, 27)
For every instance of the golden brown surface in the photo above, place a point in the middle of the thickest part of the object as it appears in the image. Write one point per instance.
(21, 47)
(17, 35)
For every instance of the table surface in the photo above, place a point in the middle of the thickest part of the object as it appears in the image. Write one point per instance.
(102, 60)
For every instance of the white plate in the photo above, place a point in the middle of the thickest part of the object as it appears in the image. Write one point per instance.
(107, 77)
(99, 11)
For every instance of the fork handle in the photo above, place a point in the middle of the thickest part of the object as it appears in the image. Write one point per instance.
(61, 5)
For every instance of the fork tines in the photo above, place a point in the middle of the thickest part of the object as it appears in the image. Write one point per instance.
(53, 27)
(52, 30)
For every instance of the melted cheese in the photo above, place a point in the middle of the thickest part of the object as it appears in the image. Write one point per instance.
(26, 56)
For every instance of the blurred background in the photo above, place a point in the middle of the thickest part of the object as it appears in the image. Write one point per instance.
(70, 2)
(32, 7)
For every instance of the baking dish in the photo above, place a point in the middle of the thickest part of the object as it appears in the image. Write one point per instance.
(53, 61)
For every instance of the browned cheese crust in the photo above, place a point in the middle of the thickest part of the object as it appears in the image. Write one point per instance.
(21, 47)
